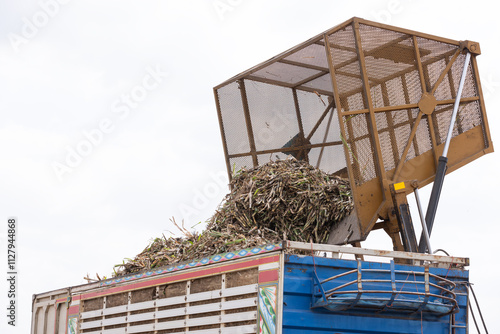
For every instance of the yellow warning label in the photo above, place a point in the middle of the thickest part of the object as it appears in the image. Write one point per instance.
(399, 186)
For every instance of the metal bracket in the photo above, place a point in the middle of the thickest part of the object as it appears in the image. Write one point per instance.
(402, 213)
(472, 47)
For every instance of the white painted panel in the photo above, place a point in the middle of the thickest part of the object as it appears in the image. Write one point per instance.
(234, 317)
(171, 313)
(171, 301)
(180, 311)
(204, 296)
(140, 328)
(91, 324)
(39, 320)
(109, 331)
(203, 308)
(51, 319)
(114, 321)
(141, 317)
(142, 305)
(248, 329)
(239, 290)
(205, 331)
(91, 314)
(115, 310)
(171, 324)
(215, 319)
(240, 303)
(62, 313)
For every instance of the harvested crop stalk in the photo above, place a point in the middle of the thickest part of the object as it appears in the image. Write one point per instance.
(284, 198)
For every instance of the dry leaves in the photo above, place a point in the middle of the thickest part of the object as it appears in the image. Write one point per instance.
(281, 200)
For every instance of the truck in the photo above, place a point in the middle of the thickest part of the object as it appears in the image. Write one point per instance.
(393, 110)
(287, 287)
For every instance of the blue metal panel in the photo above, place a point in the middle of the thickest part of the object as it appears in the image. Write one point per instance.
(299, 317)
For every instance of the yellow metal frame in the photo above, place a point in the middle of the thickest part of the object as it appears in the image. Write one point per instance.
(372, 196)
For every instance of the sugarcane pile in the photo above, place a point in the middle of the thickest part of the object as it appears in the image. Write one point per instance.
(281, 200)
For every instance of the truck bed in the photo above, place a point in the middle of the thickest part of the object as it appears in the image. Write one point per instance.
(279, 288)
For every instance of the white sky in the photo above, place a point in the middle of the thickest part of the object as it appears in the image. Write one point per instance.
(67, 70)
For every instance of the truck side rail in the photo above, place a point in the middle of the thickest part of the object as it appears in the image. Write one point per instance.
(416, 258)
(386, 291)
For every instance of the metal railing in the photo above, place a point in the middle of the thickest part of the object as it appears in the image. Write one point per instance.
(384, 290)
(433, 260)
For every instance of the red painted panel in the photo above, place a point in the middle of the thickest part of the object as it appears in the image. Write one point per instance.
(181, 276)
(268, 276)
(73, 309)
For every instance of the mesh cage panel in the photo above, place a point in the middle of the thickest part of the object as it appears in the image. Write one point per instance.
(403, 133)
(273, 114)
(375, 39)
(265, 158)
(387, 149)
(469, 89)
(468, 116)
(285, 73)
(377, 97)
(323, 130)
(382, 120)
(330, 159)
(233, 118)
(432, 54)
(276, 120)
(433, 71)
(350, 87)
(347, 69)
(385, 54)
(327, 133)
(359, 147)
(399, 117)
(397, 92)
(412, 87)
(313, 54)
(239, 163)
(443, 117)
(390, 66)
(388, 141)
(349, 83)
(433, 50)
(354, 102)
(323, 83)
(443, 91)
(394, 129)
(313, 106)
(422, 142)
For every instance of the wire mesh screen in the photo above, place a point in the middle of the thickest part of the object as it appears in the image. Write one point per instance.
(233, 116)
(362, 99)
(262, 121)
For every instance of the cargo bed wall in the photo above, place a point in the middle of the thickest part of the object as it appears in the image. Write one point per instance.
(299, 317)
(49, 313)
(216, 298)
(264, 290)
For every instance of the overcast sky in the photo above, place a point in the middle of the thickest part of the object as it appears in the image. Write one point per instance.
(108, 125)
